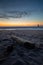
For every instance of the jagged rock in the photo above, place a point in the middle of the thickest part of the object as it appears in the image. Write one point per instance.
(29, 45)
(20, 53)
(25, 43)
(8, 50)
(6, 47)
(19, 63)
(2, 56)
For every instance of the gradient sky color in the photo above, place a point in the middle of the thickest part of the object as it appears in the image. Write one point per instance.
(21, 12)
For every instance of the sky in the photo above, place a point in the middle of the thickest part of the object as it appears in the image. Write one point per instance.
(21, 12)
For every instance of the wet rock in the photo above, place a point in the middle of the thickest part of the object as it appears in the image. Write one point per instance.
(29, 45)
(19, 63)
(20, 53)
(2, 49)
(8, 50)
(6, 47)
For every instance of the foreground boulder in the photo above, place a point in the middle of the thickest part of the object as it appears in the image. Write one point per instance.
(6, 47)
(29, 45)
(8, 50)
(25, 43)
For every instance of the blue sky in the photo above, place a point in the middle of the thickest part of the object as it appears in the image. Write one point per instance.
(25, 10)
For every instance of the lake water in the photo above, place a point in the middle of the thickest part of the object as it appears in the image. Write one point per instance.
(21, 28)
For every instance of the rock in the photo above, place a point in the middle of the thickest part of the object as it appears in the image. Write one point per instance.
(18, 62)
(37, 45)
(2, 55)
(23, 42)
(8, 50)
(29, 45)
(20, 53)
(6, 47)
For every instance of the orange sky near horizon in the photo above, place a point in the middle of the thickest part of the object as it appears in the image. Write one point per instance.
(21, 24)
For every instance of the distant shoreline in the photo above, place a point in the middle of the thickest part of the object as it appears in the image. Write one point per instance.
(21, 28)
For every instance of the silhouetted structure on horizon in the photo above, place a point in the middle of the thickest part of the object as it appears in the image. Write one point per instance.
(38, 25)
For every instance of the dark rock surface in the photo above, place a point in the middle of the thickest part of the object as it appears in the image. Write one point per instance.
(11, 53)
(29, 45)
(6, 47)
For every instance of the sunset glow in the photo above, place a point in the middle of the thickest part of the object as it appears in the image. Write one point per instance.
(21, 12)
(21, 24)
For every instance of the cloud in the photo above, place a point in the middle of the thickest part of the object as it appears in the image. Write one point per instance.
(14, 14)
(19, 8)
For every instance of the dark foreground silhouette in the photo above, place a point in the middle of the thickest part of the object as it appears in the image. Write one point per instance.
(16, 51)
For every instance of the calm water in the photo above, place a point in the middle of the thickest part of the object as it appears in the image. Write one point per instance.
(21, 28)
